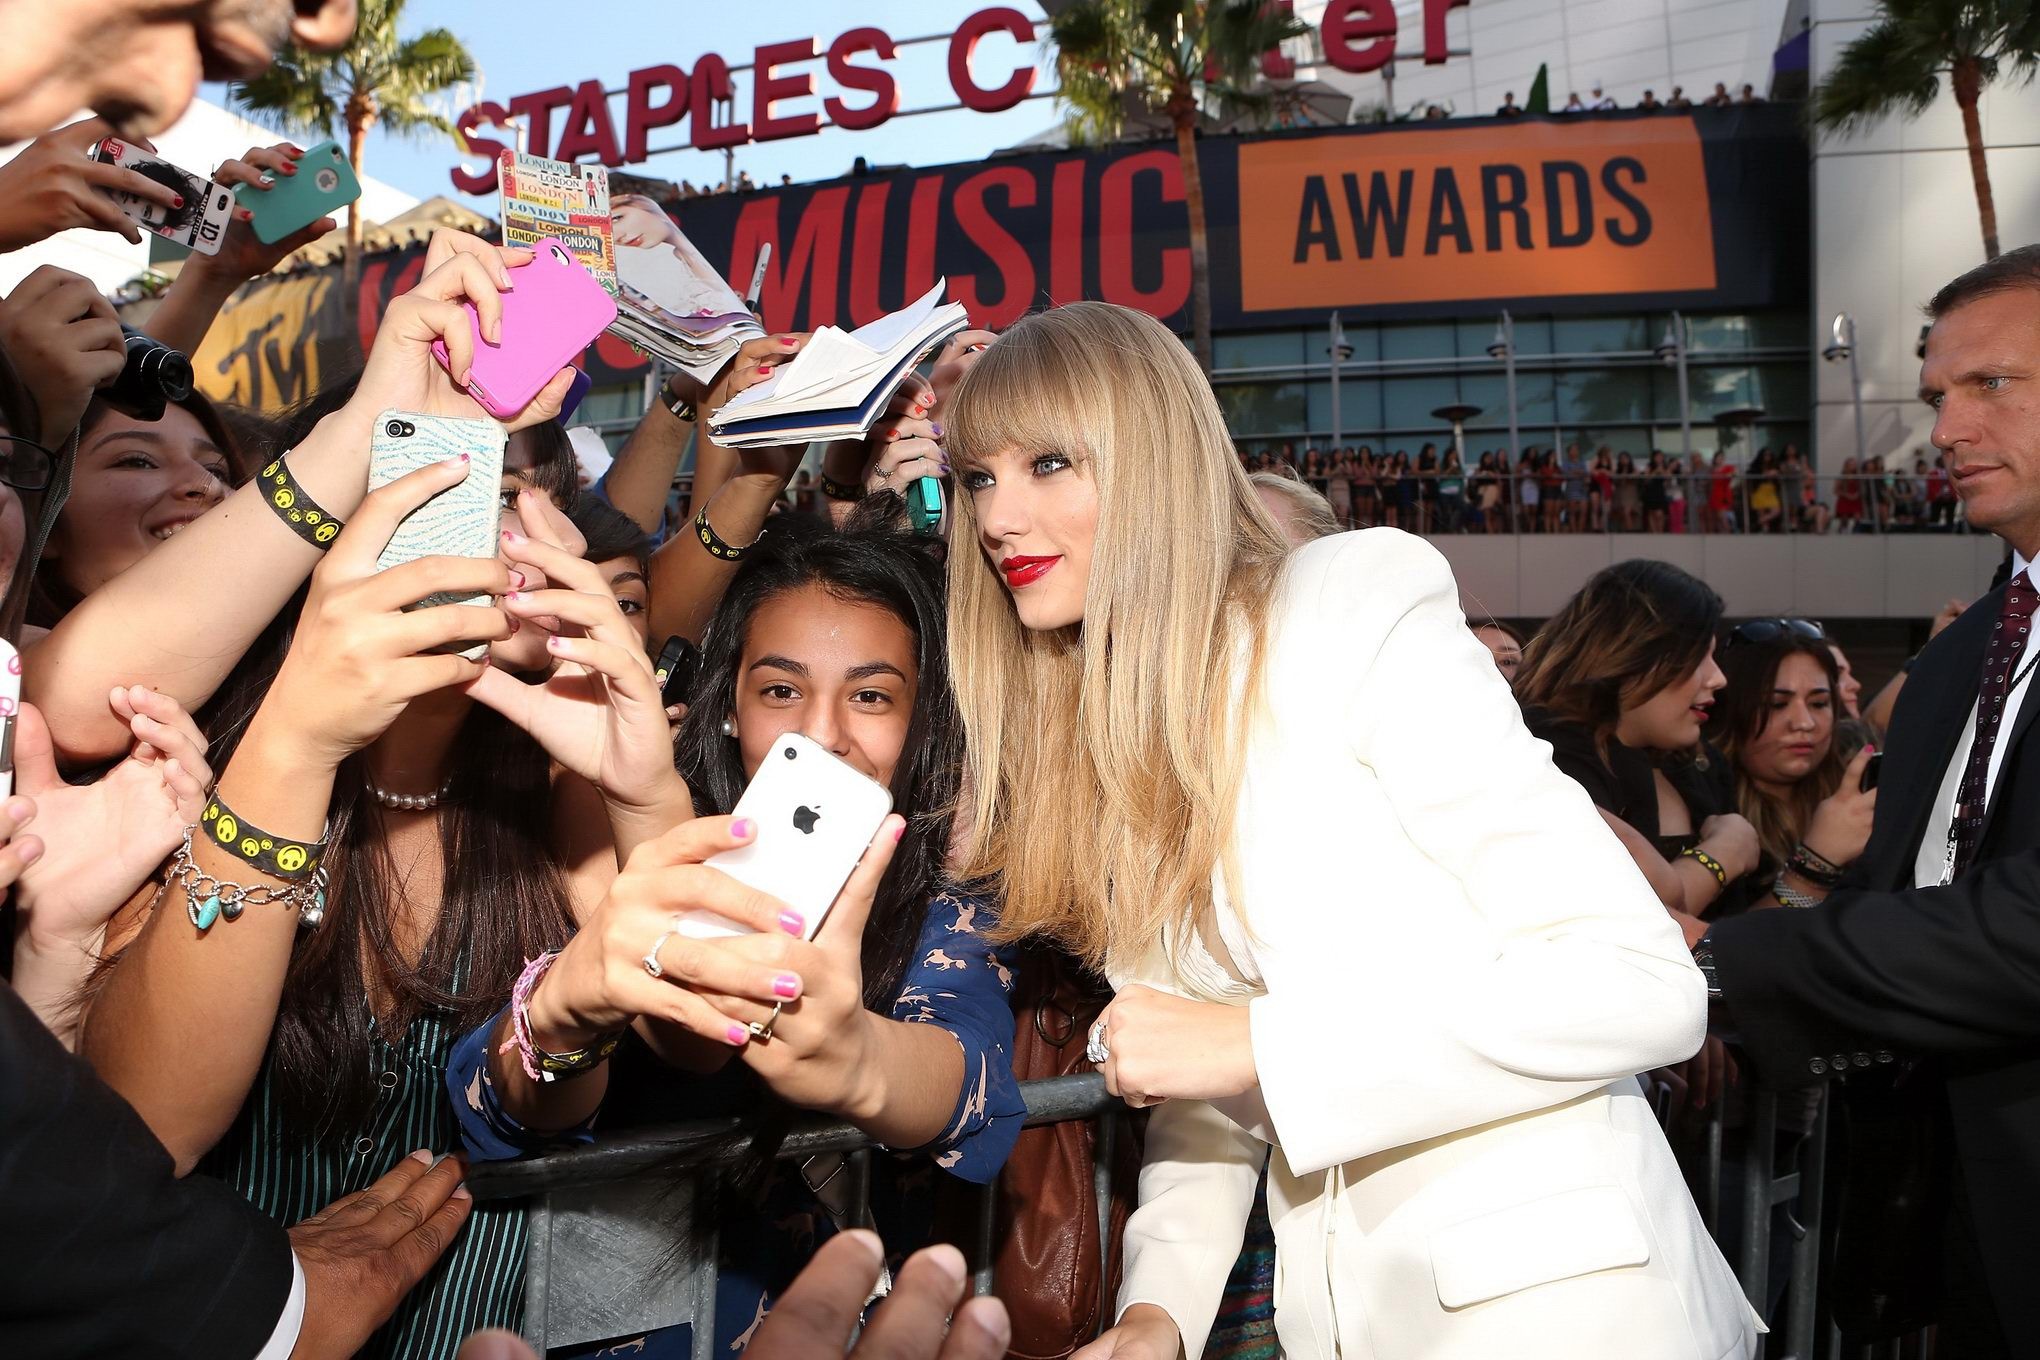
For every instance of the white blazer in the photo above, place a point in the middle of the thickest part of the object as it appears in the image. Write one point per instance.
(1455, 970)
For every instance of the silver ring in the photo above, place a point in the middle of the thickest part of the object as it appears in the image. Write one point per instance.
(1094, 1045)
(762, 1032)
(651, 958)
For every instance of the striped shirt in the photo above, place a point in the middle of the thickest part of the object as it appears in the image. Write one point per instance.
(270, 1159)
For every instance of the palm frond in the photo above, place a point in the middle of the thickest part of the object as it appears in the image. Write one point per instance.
(1884, 71)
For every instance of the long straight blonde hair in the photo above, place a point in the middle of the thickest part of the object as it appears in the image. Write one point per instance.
(1105, 758)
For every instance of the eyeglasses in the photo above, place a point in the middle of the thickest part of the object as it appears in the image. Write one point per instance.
(24, 464)
(1770, 630)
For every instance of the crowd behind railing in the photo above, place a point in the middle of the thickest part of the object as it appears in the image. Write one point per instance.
(1607, 491)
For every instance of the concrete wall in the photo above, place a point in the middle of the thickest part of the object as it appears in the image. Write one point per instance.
(1895, 218)
(1827, 576)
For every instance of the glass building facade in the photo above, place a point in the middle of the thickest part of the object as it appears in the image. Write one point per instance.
(1595, 379)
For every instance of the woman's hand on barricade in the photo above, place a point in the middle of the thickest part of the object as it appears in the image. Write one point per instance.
(823, 1306)
(599, 712)
(600, 982)
(1144, 1332)
(403, 374)
(1163, 1047)
(819, 1053)
(361, 653)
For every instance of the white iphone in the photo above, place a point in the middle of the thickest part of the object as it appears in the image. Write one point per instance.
(816, 817)
(10, 711)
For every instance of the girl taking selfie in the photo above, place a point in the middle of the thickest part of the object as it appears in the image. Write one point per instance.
(1441, 1052)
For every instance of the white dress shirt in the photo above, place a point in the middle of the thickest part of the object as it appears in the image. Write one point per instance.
(1930, 862)
(283, 1340)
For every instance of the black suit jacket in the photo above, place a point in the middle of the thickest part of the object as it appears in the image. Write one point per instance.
(1927, 1000)
(104, 1252)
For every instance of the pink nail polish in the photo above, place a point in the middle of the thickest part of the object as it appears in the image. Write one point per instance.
(742, 828)
(737, 1035)
(792, 922)
(556, 644)
(898, 832)
(512, 536)
(786, 985)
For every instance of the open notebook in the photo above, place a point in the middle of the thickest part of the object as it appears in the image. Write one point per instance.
(839, 384)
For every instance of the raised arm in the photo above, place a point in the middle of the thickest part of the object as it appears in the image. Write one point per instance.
(180, 620)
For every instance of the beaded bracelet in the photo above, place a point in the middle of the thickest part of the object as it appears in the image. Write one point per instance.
(1788, 896)
(1707, 862)
(838, 491)
(1814, 867)
(208, 897)
(540, 1065)
(717, 546)
(278, 856)
(295, 507)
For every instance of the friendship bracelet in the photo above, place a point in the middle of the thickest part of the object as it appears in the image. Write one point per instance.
(278, 856)
(208, 897)
(718, 547)
(1814, 867)
(540, 1065)
(838, 491)
(295, 507)
(1707, 862)
(1788, 896)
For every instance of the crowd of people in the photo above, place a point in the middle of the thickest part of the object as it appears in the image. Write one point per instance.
(1598, 101)
(1607, 491)
(330, 879)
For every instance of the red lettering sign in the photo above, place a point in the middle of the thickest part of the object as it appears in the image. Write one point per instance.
(1348, 22)
(982, 24)
(768, 87)
(641, 115)
(879, 82)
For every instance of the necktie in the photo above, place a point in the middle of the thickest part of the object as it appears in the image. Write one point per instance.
(2007, 641)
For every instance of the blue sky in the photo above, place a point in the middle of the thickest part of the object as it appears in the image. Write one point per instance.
(522, 46)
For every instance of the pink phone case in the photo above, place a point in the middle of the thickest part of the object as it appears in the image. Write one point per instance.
(554, 311)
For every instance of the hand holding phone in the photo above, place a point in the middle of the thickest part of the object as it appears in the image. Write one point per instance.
(324, 183)
(461, 522)
(815, 816)
(552, 312)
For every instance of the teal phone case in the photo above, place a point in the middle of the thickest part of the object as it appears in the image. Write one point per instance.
(324, 183)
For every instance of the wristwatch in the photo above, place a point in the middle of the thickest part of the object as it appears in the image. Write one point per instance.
(682, 408)
(1703, 959)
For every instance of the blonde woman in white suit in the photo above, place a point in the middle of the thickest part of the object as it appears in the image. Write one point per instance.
(1182, 738)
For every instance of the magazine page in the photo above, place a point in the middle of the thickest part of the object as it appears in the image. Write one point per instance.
(543, 197)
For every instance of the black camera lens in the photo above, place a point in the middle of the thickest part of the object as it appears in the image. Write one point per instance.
(395, 429)
(791, 753)
(153, 376)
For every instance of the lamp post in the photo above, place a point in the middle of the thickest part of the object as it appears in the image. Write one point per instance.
(1503, 347)
(1456, 415)
(1672, 350)
(1340, 352)
(1842, 345)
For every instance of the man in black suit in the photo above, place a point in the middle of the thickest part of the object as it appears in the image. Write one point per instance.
(1918, 978)
(107, 1253)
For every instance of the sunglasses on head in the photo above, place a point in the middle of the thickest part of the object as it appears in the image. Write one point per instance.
(1770, 630)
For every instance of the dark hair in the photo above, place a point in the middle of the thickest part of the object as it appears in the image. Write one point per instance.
(1508, 630)
(1743, 710)
(1632, 629)
(50, 595)
(192, 190)
(610, 533)
(2018, 268)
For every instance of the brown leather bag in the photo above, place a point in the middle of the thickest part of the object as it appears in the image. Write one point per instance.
(1055, 1272)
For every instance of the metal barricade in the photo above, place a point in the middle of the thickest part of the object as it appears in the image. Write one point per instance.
(602, 1261)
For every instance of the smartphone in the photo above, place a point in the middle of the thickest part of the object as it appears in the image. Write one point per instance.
(679, 661)
(10, 710)
(200, 225)
(324, 183)
(575, 393)
(1872, 768)
(925, 508)
(553, 311)
(463, 520)
(816, 817)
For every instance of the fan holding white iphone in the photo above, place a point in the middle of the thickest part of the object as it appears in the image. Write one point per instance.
(815, 816)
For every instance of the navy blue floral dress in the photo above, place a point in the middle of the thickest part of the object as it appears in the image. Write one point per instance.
(959, 982)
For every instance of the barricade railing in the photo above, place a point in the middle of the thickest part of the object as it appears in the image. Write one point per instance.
(602, 1260)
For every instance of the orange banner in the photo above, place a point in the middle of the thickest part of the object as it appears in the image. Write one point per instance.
(1550, 210)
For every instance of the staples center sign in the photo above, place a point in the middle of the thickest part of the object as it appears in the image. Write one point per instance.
(1358, 36)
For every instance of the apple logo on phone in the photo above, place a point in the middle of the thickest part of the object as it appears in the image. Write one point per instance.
(804, 819)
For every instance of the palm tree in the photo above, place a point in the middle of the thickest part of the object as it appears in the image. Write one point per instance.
(377, 78)
(1121, 60)
(1896, 65)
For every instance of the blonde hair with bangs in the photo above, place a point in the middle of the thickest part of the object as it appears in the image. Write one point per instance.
(1105, 758)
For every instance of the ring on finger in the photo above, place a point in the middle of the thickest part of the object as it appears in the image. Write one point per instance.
(762, 1030)
(1095, 1051)
(651, 958)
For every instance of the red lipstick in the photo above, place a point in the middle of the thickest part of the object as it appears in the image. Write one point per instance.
(1025, 571)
